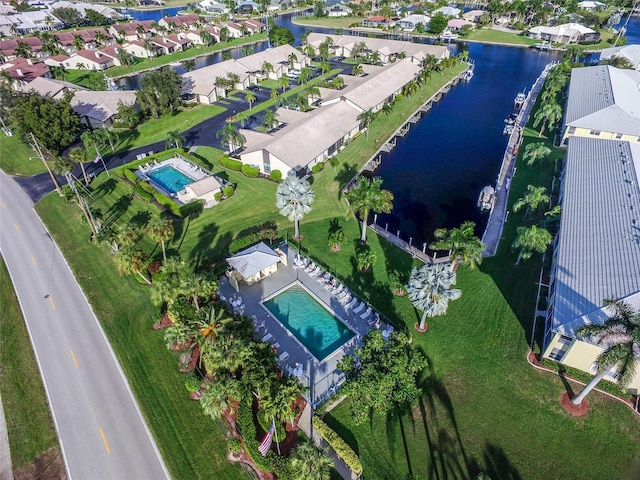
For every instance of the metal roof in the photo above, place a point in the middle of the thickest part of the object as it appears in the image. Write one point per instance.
(253, 260)
(604, 98)
(598, 249)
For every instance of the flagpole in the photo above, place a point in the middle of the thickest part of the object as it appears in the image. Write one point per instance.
(275, 431)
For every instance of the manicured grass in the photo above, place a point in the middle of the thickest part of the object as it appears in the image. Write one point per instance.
(333, 22)
(14, 157)
(26, 409)
(497, 36)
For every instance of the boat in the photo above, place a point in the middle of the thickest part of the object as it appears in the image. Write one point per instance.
(487, 198)
(519, 101)
(468, 75)
(511, 119)
(507, 130)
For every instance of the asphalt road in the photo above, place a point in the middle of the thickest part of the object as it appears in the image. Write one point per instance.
(101, 431)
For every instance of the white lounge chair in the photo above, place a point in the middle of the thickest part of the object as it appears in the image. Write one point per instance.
(359, 308)
(337, 289)
(344, 298)
(352, 304)
(366, 313)
(283, 356)
(267, 337)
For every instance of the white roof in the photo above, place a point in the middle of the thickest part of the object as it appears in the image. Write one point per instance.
(253, 260)
(49, 87)
(564, 30)
(630, 52)
(590, 4)
(448, 11)
(100, 105)
(274, 56)
(201, 81)
(206, 185)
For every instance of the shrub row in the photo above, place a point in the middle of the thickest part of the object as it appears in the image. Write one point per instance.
(249, 171)
(231, 164)
(344, 451)
(247, 240)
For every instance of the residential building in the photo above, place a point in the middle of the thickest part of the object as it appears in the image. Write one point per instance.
(565, 34)
(89, 60)
(213, 7)
(82, 8)
(142, 49)
(202, 82)
(29, 22)
(591, 6)
(8, 47)
(597, 249)
(450, 12)
(132, 30)
(179, 22)
(410, 22)
(253, 26)
(630, 52)
(24, 71)
(337, 10)
(456, 24)
(376, 21)
(51, 88)
(278, 58)
(473, 15)
(100, 109)
(603, 102)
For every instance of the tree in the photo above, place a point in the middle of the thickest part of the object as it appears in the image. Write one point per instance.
(292, 58)
(206, 37)
(336, 240)
(294, 197)
(250, 97)
(367, 196)
(230, 137)
(305, 75)
(530, 240)
(69, 16)
(161, 230)
(357, 70)
(280, 36)
(283, 82)
(79, 155)
(374, 57)
(365, 259)
(462, 244)
(23, 50)
(195, 287)
(247, 50)
(132, 260)
(309, 462)
(430, 290)
(160, 92)
(188, 64)
(532, 200)
(535, 151)
(173, 139)
(215, 400)
(54, 123)
(78, 42)
(620, 338)
(618, 61)
(438, 23)
(548, 114)
(104, 135)
(382, 375)
(266, 68)
(270, 120)
(278, 404)
(387, 108)
(366, 118)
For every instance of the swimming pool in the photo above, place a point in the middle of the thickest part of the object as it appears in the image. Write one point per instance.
(170, 179)
(309, 321)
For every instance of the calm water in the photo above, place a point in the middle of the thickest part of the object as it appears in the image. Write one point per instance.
(156, 14)
(318, 330)
(170, 179)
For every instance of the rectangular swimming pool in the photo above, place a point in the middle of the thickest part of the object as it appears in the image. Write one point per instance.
(309, 321)
(169, 178)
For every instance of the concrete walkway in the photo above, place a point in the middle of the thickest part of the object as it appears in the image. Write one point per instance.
(6, 470)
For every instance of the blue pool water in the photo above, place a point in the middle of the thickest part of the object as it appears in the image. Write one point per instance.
(170, 179)
(312, 324)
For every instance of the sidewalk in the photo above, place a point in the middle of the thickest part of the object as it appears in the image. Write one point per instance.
(6, 470)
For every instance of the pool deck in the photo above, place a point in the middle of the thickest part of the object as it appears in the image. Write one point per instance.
(322, 377)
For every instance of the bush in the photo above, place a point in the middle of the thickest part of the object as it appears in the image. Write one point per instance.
(244, 421)
(190, 208)
(249, 171)
(231, 164)
(130, 175)
(318, 167)
(228, 191)
(217, 196)
(140, 191)
(276, 175)
(344, 451)
(234, 444)
(243, 242)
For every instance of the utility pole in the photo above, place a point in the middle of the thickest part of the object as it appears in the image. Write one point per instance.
(44, 161)
(82, 203)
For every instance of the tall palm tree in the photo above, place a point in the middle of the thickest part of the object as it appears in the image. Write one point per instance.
(305, 75)
(535, 151)
(231, 137)
(387, 108)
(366, 118)
(173, 139)
(283, 83)
(205, 37)
(196, 287)
(215, 400)
(250, 97)
(312, 91)
(430, 290)
(462, 244)
(530, 240)
(160, 229)
(266, 68)
(103, 135)
(357, 70)
(292, 58)
(294, 197)
(279, 403)
(548, 115)
(308, 462)
(211, 327)
(374, 57)
(270, 119)
(620, 337)
(309, 51)
(367, 196)
(79, 155)
(132, 260)
(531, 200)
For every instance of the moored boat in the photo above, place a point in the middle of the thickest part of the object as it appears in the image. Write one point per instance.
(487, 198)
(519, 101)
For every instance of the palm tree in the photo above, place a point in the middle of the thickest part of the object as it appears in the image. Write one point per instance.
(303, 102)
(62, 166)
(188, 64)
(533, 199)
(79, 155)
(132, 260)
(173, 138)
(294, 197)
(357, 70)
(325, 67)
(283, 83)
(247, 50)
(620, 337)
(410, 88)
(195, 287)
(215, 400)
(461, 243)
(274, 95)
(530, 240)
(430, 290)
(270, 119)
(374, 57)
(308, 462)
(549, 114)
(366, 117)
(105, 135)
(23, 50)
(535, 151)
(78, 42)
(161, 230)
(312, 91)
(278, 404)
(309, 51)
(266, 68)
(367, 196)
(250, 97)
(231, 137)
(205, 37)
(305, 75)
(292, 58)
(211, 328)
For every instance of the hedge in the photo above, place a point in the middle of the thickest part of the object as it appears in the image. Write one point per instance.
(275, 175)
(251, 239)
(344, 451)
(231, 164)
(228, 191)
(249, 171)
(217, 196)
(318, 167)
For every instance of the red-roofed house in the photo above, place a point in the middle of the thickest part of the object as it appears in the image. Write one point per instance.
(181, 22)
(8, 47)
(89, 60)
(139, 49)
(56, 60)
(235, 29)
(376, 21)
(171, 43)
(196, 39)
(456, 24)
(132, 30)
(24, 71)
(254, 26)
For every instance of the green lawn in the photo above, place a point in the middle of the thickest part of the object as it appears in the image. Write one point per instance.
(29, 424)
(16, 158)
(333, 22)
(497, 36)
(484, 407)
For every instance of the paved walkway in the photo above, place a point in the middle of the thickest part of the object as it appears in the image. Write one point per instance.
(6, 470)
(493, 232)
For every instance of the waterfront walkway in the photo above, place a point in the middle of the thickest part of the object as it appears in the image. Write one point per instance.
(499, 214)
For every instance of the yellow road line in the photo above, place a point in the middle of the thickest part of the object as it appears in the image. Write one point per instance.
(75, 360)
(104, 439)
(17, 226)
(33, 259)
(53, 304)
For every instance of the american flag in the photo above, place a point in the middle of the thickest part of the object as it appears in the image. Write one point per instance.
(265, 445)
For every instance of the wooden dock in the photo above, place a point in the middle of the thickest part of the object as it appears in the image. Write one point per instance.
(497, 217)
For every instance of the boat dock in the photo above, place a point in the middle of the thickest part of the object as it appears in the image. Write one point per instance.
(497, 217)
